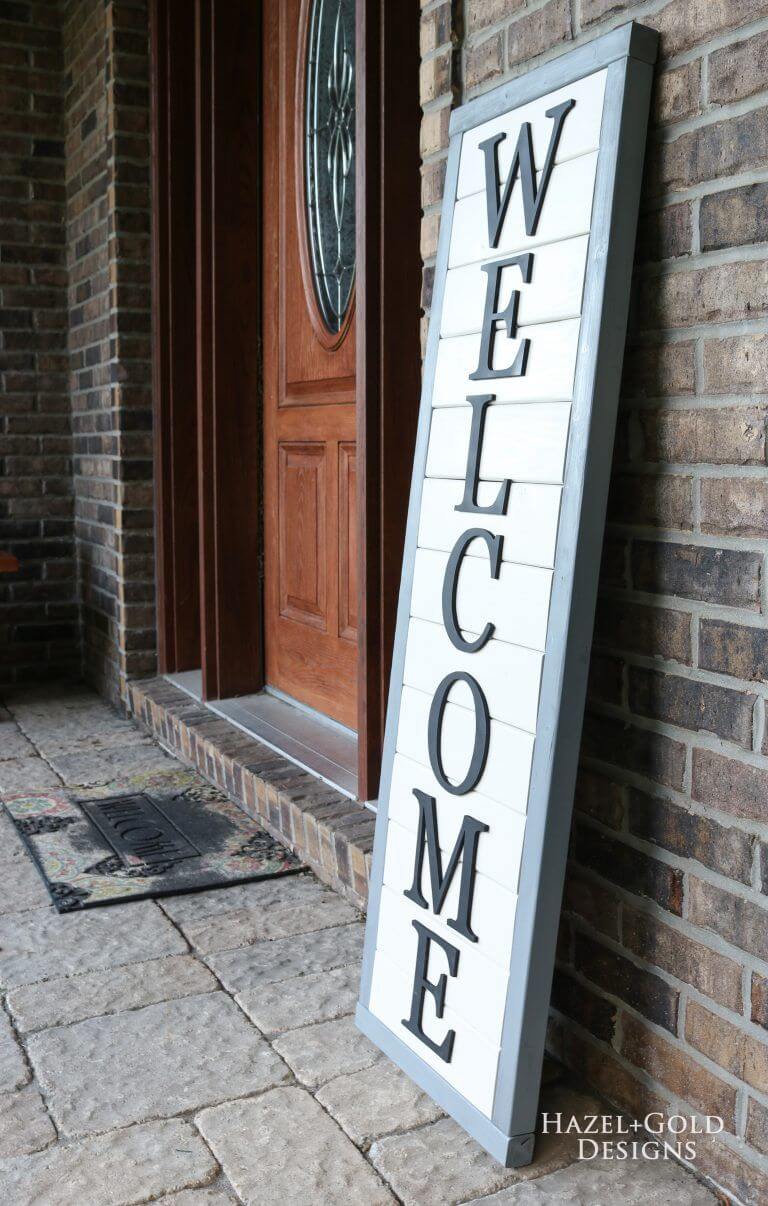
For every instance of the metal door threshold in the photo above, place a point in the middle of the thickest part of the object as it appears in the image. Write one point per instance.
(314, 742)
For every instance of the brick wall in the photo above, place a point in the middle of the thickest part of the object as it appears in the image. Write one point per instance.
(108, 236)
(75, 421)
(38, 609)
(661, 992)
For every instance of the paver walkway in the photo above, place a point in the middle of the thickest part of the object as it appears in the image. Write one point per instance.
(200, 1050)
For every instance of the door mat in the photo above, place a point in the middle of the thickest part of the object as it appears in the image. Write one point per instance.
(129, 847)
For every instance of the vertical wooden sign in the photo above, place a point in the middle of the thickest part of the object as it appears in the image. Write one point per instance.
(500, 570)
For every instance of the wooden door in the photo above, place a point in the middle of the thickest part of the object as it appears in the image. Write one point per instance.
(310, 520)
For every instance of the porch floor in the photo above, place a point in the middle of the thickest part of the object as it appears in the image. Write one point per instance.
(200, 1050)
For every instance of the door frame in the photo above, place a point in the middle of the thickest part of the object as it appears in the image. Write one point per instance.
(388, 341)
(227, 405)
(228, 140)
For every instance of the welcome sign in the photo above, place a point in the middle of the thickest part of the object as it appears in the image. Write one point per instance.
(499, 580)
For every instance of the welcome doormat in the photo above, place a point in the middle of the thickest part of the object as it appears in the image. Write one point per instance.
(145, 844)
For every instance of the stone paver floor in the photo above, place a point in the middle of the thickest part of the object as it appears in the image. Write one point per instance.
(200, 1050)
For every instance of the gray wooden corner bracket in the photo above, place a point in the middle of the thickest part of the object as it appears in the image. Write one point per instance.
(628, 53)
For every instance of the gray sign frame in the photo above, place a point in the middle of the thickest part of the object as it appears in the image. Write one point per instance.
(629, 54)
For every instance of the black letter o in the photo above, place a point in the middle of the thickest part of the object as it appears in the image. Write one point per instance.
(482, 733)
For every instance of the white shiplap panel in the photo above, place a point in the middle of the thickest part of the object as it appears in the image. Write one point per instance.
(567, 212)
(580, 133)
(525, 442)
(510, 674)
(498, 858)
(529, 527)
(517, 602)
(472, 1070)
(398, 939)
(466, 288)
(548, 377)
(507, 773)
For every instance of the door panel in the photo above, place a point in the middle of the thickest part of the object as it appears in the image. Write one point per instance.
(301, 517)
(310, 511)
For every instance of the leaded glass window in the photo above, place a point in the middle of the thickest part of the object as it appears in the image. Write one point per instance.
(329, 155)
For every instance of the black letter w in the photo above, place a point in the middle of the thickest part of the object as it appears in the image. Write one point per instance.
(522, 162)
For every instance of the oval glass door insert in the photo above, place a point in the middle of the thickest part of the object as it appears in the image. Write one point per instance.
(329, 155)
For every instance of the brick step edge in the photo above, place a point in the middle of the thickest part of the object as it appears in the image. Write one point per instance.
(326, 829)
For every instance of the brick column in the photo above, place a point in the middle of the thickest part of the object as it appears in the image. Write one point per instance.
(107, 127)
(441, 30)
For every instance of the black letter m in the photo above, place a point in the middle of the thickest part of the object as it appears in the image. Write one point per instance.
(464, 849)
